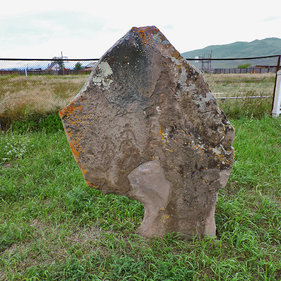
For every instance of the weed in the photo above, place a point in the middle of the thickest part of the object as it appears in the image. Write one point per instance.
(14, 147)
(246, 108)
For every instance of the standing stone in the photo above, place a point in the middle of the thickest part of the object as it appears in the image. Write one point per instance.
(146, 125)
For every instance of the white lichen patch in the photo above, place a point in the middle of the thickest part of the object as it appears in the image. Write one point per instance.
(102, 76)
(183, 75)
(182, 78)
(157, 38)
(165, 135)
(209, 96)
(202, 101)
(217, 150)
(105, 69)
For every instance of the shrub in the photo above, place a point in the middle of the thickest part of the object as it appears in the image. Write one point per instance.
(78, 66)
(243, 66)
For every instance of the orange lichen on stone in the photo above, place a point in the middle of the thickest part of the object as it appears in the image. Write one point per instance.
(74, 143)
(70, 109)
(145, 33)
(75, 152)
(91, 184)
(72, 113)
(162, 135)
(80, 120)
(82, 169)
(142, 35)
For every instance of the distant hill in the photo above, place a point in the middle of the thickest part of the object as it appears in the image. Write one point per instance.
(264, 47)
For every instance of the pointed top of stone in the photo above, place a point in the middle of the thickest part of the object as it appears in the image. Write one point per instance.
(146, 38)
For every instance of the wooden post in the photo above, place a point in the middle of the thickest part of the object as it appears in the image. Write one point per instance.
(276, 107)
(275, 84)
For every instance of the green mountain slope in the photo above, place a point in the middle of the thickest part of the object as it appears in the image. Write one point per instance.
(264, 47)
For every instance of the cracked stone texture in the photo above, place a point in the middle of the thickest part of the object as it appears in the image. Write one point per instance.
(146, 125)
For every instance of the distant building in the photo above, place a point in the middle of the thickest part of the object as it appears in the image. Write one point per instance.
(267, 68)
(53, 66)
(91, 65)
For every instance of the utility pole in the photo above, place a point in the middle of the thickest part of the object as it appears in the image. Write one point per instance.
(210, 62)
(206, 62)
(202, 64)
(276, 101)
(62, 63)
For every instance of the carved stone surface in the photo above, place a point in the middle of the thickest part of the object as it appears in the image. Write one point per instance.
(146, 125)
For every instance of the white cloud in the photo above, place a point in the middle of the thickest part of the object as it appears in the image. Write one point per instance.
(271, 19)
(87, 28)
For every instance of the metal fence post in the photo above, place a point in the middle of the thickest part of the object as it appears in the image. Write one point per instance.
(276, 107)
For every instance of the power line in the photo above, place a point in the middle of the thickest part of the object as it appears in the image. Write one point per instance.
(95, 59)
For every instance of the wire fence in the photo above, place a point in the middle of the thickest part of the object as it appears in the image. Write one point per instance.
(46, 85)
(65, 66)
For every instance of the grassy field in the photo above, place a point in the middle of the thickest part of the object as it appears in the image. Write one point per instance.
(241, 84)
(22, 96)
(54, 227)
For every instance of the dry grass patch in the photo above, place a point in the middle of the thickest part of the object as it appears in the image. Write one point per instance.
(241, 84)
(21, 96)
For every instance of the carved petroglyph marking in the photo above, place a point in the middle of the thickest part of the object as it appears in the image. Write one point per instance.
(108, 152)
(128, 138)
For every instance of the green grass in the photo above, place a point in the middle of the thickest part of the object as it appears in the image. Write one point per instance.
(243, 85)
(54, 227)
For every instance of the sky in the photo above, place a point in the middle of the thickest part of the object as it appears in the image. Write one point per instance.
(88, 28)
